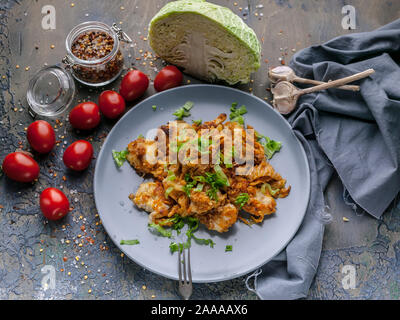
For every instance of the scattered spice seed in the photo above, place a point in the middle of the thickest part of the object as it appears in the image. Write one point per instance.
(52, 46)
(345, 219)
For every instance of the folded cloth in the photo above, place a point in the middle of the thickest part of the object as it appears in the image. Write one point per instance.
(356, 134)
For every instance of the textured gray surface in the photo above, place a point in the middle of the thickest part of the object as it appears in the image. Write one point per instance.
(27, 242)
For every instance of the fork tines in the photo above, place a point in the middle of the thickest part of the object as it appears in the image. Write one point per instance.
(185, 283)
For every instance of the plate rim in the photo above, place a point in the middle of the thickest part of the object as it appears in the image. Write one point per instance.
(223, 278)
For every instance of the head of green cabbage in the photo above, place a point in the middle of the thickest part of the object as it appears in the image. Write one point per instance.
(208, 41)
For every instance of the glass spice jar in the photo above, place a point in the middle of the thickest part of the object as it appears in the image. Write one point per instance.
(93, 58)
(93, 53)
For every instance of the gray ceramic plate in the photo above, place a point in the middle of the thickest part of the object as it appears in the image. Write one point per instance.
(252, 246)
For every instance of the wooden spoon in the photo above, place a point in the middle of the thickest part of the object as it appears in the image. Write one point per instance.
(286, 94)
(285, 73)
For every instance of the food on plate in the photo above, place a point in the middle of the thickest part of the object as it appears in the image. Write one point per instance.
(133, 85)
(78, 155)
(208, 41)
(168, 77)
(85, 116)
(41, 136)
(54, 204)
(206, 171)
(21, 167)
(111, 104)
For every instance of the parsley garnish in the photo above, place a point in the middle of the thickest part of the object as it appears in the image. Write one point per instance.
(184, 110)
(237, 114)
(217, 180)
(120, 157)
(161, 230)
(242, 199)
(193, 225)
(228, 248)
(190, 184)
(154, 107)
(197, 122)
(130, 242)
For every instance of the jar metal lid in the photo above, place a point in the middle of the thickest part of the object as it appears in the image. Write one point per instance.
(50, 92)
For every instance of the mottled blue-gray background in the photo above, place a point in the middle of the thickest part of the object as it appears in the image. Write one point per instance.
(96, 269)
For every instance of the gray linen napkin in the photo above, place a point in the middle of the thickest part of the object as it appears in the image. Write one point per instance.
(355, 134)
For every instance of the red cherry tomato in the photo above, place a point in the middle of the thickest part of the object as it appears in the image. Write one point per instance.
(111, 104)
(169, 77)
(20, 167)
(78, 155)
(85, 116)
(54, 204)
(41, 136)
(133, 85)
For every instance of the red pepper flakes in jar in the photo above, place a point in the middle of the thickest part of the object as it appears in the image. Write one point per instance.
(93, 53)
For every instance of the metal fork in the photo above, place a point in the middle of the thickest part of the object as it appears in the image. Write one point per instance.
(185, 284)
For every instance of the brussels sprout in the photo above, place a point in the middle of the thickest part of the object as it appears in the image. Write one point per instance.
(208, 41)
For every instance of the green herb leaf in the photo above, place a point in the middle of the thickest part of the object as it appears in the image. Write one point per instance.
(120, 157)
(184, 111)
(237, 114)
(154, 107)
(197, 122)
(171, 176)
(130, 242)
(242, 199)
(174, 247)
(228, 248)
(161, 230)
(206, 242)
(188, 105)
